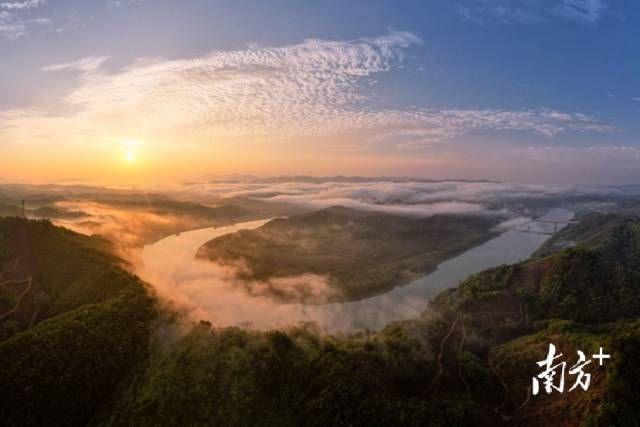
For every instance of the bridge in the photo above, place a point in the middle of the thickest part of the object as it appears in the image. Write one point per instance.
(545, 221)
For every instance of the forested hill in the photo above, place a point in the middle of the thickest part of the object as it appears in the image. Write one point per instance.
(362, 253)
(616, 237)
(582, 297)
(73, 324)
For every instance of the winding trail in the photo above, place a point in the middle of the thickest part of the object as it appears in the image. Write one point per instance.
(22, 295)
(20, 298)
(462, 341)
(16, 261)
(504, 385)
(441, 353)
(497, 409)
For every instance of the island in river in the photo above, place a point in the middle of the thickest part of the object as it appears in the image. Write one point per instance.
(361, 254)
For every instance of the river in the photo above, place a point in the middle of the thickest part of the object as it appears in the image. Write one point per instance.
(207, 291)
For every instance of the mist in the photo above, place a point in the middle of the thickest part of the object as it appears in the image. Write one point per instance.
(204, 290)
(210, 291)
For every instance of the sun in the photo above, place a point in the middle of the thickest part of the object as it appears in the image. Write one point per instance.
(130, 156)
(129, 146)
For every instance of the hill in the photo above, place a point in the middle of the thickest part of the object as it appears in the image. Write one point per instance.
(73, 323)
(616, 237)
(361, 253)
(130, 219)
(578, 298)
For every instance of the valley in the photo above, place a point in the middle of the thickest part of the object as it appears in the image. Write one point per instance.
(184, 340)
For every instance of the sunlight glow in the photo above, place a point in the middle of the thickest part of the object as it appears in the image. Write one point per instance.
(129, 149)
(130, 156)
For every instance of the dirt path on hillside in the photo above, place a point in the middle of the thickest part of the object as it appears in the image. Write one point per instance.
(16, 261)
(20, 297)
(497, 409)
(440, 355)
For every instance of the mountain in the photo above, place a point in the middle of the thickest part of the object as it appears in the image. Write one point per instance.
(73, 323)
(361, 253)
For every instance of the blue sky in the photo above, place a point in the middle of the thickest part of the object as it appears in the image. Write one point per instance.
(517, 90)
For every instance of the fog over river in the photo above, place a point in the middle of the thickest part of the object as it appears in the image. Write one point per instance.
(211, 292)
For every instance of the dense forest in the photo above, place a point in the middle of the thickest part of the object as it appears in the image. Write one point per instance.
(103, 353)
(75, 333)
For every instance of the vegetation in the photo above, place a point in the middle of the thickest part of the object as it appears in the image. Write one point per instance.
(66, 270)
(362, 253)
(616, 237)
(99, 321)
(236, 377)
(60, 371)
(102, 356)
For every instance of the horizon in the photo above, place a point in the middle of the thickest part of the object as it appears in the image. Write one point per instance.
(262, 179)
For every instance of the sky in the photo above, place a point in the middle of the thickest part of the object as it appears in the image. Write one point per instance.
(159, 91)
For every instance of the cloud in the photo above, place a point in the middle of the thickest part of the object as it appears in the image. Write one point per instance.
(405, 197)
(315, 88)
(86, 65)
(16, 20)
(213, 292)
(426, 126)
(588, 11)
(209, 291)
(118, 3)
(532, 11)
(558, 154)
(21, 4)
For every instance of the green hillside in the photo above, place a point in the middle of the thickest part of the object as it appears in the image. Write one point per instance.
(617, 237)
(74, 333)
(66, 270)
(361, 253)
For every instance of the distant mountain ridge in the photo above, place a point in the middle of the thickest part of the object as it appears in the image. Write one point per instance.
(335, 178)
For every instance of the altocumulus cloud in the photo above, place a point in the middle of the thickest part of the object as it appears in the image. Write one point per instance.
(21, 4)
(532, 11)
(314, 88)
(15, 19)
